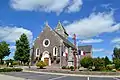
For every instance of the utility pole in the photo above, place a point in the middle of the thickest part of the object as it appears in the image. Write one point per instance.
(74, 51)
(60, 53)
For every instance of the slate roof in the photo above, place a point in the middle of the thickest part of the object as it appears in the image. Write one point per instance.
(86, 48)
(66, 41)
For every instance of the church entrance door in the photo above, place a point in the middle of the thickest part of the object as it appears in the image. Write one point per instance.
(46, 60)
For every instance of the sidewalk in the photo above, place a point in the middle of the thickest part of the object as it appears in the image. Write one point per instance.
(6, 77)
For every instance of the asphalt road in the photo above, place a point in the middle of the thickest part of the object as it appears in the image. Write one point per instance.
(39, 76)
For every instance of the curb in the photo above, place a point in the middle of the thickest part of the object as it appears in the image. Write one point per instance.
(79, 75)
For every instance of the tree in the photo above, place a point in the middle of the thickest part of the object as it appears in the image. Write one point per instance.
(99, 63)
(22, 49)
(116, 61)
(86, 62)
(107, 61)
(116, 53)
(4, 50)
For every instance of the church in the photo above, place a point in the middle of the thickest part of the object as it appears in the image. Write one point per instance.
(53, 47)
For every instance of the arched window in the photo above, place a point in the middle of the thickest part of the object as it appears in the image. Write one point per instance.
(37, 52)
(55, 51)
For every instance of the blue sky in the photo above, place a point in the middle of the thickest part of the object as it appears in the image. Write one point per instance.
(95, 22)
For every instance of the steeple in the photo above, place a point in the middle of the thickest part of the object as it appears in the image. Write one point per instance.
(46, 24)
(61, 30)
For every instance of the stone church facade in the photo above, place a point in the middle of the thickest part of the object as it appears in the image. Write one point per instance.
(53, 47)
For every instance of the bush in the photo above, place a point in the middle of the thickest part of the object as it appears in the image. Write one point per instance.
(113, 70)
(110, 67)
(86, 62)
(10, 65)
(99, 64)
(72, 68)
(117, 63)
(58, 61)
(41, 64)
(17, 69)
(67, 67)
(11, 70)
(63, 67)
(15, 63)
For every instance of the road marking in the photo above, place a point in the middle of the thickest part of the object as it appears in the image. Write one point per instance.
(116, 78)
(87, 78)
(57, 78)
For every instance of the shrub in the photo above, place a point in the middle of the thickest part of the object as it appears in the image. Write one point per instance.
(58, 61)
(117, 63)
(72, 68)
(10, 65)
(110, 67)
(41, 64)
(18, 69)
(86, 62)
(11, 70)
(99, 64)
(15, 63)
(68, 67)
(54, 58)
(113, 70)
(63, 67)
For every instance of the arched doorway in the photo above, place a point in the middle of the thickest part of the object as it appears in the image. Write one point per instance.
(46, 58)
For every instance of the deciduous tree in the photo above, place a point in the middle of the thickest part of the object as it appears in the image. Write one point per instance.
(4, 50)
(86, 62)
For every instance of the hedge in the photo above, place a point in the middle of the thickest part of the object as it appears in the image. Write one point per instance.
(11, 70)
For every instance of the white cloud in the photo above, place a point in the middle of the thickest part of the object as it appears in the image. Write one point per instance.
(75, 6)
(117, 45)
(91, 41)
(98, 49)
(116, 40)
(94, 25)
(12, 47)
(10, 34)
(106, 5)
(108, 52)
(65, 22)
(47, 5)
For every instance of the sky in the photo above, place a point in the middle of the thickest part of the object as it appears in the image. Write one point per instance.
(95, 22)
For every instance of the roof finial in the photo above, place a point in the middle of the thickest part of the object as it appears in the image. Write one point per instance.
(59, 22)
(46, 23)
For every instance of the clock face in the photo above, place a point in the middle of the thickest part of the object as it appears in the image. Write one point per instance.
(46, 42)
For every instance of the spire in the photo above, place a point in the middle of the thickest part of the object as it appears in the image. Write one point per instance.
(46, 24)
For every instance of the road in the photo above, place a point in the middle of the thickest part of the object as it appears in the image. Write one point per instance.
(40, 76)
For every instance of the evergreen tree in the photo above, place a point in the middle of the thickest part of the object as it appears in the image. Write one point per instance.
(107, 61)
(22, 49)
(99, 63)
(116, 57)
(116, 53)
(4, 50)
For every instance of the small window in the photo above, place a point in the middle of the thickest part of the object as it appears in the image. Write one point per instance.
(37, 52)
(55, 51)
